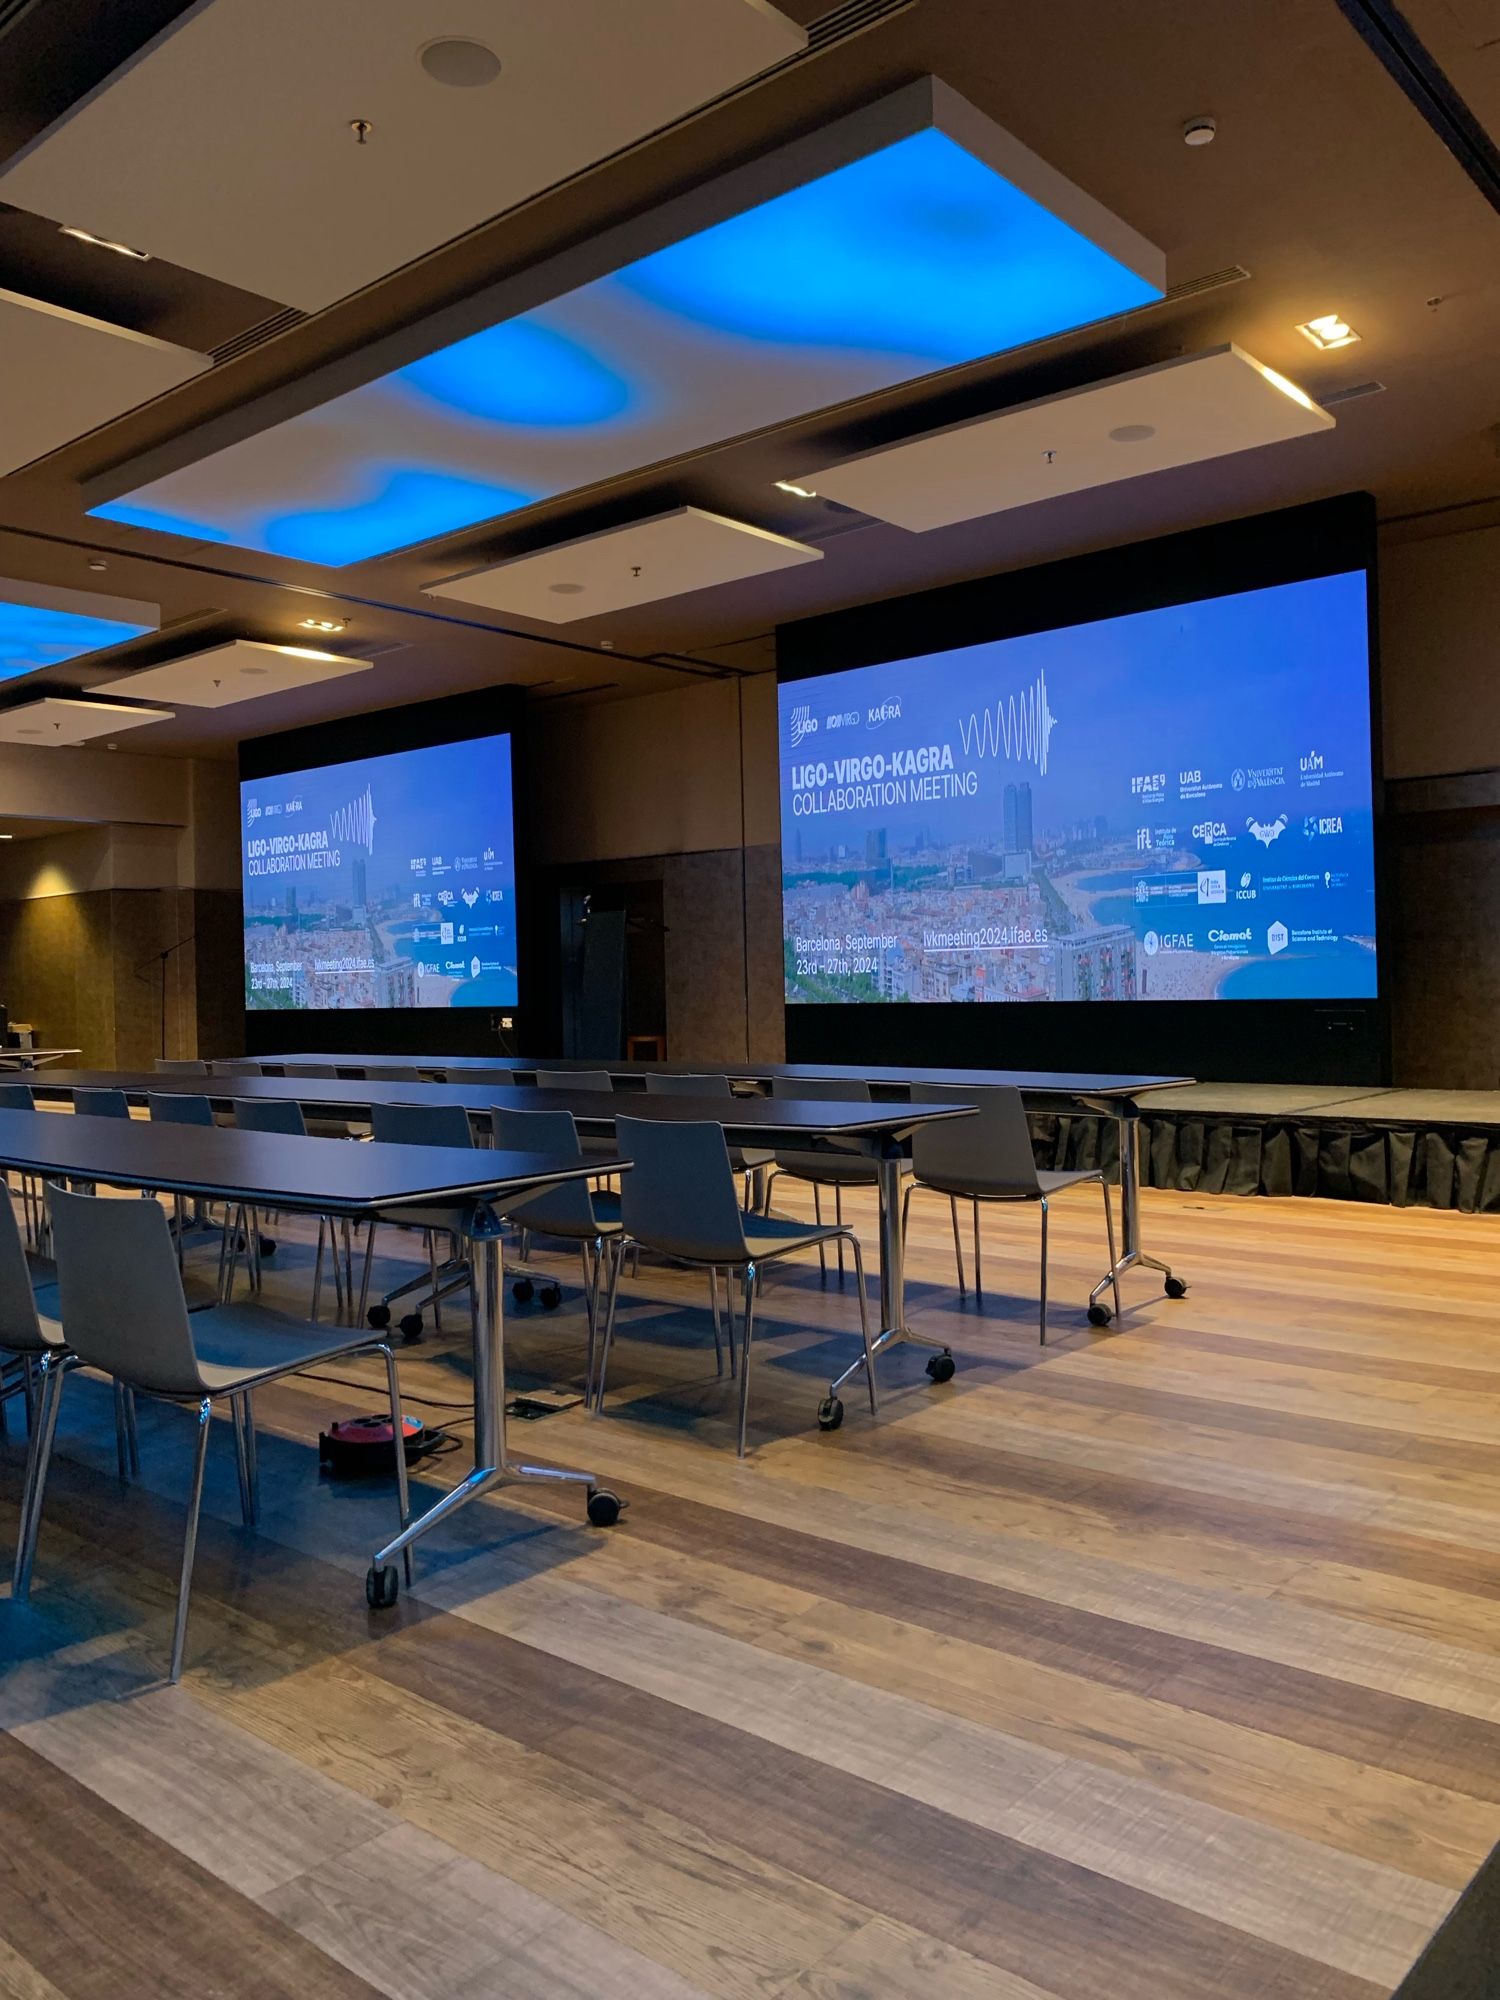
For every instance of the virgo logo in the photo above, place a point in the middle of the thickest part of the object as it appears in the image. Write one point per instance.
(803, 724)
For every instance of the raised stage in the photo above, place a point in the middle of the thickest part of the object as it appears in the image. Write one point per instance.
(1422, 1148)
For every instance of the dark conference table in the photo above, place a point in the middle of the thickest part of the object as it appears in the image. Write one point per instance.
(321, 1176)
(880, 1132)
(1110, 1096)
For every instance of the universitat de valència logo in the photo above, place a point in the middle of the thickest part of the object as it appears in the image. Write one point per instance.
(803, 724)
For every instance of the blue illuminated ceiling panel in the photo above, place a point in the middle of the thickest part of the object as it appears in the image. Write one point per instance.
(41, 628)
(904, 240)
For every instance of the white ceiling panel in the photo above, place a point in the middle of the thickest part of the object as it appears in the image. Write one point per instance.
(640, 563)
(62, 374)
(57, 723)
(227, 145)
(241, 670)
(1202, 406)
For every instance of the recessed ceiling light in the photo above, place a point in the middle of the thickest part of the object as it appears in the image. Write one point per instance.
(791, 486)
(323, 624)
(96, 564)
(1328, 330)
(11, 836)
(1199, 132)
(103, 243)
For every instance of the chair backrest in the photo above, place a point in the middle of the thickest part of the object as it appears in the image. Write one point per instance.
(660, 1084)
(990, 1151)
(837, 1089)
(574, 1079)
(174, 1066)
(91, 1103)
(270, 1114)
(121, 1291)
(20, 1331)
(237, 1066)
(16, 1097)
(568, 1208)
(421, 1125)
(170, 1108)
(679, 1196)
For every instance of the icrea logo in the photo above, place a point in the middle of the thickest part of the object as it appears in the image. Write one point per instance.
(803, 724)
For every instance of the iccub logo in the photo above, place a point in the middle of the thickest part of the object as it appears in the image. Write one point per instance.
(1267, 831)
(803, 724)
(888, 710)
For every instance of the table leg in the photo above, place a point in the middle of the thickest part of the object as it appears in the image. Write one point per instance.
(1132, 1256)
(493, 1465)
(894, 1330)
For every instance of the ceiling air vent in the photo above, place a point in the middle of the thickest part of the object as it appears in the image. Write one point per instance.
(1211, 281)
(1352, 394)
(11, 12)
(257, 335)
(851, 19)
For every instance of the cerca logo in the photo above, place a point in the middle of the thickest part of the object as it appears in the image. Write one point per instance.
(803, 724)
(888, 710)
(1212, 831)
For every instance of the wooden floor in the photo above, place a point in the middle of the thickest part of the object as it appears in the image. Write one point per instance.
(1161, 1665)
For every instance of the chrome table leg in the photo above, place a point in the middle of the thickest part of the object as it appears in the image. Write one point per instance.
(1132, 1256)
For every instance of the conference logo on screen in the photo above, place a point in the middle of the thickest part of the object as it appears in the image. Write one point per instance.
(1276, 938)
(803, 724)
(1212, 833)
(1265, 831)
(1316, 825)
(1213, 885)
(885, 711)
(252, 811)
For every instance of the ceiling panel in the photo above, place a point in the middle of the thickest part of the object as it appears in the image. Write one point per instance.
(62, 373)
(1202, 406)
(56, 723)
(228, 146)
(242, 670)
(640, 563)
(41, 626)
(910, 237)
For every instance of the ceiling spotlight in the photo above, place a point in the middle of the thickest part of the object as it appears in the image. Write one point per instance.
(318, 624)
(1328, 330)
(791, 486)
(103, 243)
(98, 563)
(1199, 132)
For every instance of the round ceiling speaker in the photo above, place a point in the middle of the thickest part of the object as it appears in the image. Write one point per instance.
(1132, 433)
(463, 64)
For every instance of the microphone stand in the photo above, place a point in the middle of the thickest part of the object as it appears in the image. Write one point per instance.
(159, 959)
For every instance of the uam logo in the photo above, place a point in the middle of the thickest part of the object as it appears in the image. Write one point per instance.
(1313, 761)
(885, 711)
(1267, 831)
(803, 724)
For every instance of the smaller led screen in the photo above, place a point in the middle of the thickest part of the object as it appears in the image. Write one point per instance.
(383, 882)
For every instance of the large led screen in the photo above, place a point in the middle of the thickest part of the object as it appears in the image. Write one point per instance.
(1171, 805)
(384, 882)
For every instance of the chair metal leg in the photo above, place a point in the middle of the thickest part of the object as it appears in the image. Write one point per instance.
(317, 1291)
(958, 1247)
(617, 1264)
(398, 1439)
(818, 1218)
(361, 1318)
(713, 1300)
(127, 1447)
(432, 1275)
(1044, 1273)
(242, 1459)
(38, 1464)
(838, 1217)
(1109, 1231)
(864, 1320)
(29, 1392)
(746, 1336)
(190, 1541)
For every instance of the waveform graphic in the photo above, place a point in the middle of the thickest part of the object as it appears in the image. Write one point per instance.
(1018, 727)
(353, 825)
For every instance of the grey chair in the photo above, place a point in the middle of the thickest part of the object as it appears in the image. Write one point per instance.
(124, 1311)
(187, 1108)
(179, 1066)
(36, 1339)
(679, 1199)
(662, 1083)
(832, 1169)
(92, 1103)
(572, 1210)
(989, 1158)
(177, 1108)
(574, 1079)
(420, 1125)
(18, 1097)
(283, 1115)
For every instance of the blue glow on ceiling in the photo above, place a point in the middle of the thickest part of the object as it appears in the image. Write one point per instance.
(913, 258)
(32, 638)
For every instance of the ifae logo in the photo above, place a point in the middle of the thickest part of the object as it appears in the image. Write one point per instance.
(803, 724)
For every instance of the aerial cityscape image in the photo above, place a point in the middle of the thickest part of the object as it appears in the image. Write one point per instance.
(947, 835)
(382, 882)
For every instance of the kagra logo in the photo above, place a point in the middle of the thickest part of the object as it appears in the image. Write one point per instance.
(888, 710)
(804, 724)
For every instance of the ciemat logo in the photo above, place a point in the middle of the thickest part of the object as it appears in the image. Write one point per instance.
(803, 724)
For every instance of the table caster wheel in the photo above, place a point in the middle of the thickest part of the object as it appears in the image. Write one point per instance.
(268, 1246)
(1175, 1288)
(941, 1367)
(382, 1587)
(551, 1297)
(1099, 1315)
(411, 1326)
(604, 1507)
(523, 1291)
(830, 1413)
(379, 1316)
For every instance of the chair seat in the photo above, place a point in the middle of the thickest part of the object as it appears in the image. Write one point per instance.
(774, 1235)
(833, 1169)
(1047, 1183)
(240, 1345)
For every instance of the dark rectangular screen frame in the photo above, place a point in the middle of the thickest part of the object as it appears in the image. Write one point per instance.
(390, 1030)
(1296, 1041)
